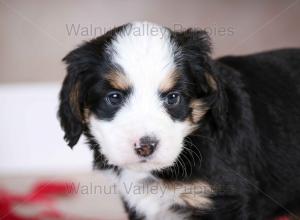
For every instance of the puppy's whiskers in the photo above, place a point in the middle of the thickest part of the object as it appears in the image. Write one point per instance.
(199, 156)
(188, 160)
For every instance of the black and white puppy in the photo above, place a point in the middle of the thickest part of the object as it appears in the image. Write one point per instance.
(220, 137)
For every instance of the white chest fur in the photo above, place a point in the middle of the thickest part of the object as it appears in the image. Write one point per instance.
(153, 198)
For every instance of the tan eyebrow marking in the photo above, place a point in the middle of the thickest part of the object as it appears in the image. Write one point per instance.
(118, 80)
(169, 81)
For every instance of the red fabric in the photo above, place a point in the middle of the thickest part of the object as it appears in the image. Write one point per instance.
(44, 192)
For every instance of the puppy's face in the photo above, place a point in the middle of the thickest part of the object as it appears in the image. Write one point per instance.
(137, 95)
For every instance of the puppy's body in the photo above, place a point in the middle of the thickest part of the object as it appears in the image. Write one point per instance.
(272, 82)
(270, 139)
(222, 136)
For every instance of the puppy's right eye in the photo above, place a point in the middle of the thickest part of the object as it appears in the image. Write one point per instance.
(114, 98)
(172, 99)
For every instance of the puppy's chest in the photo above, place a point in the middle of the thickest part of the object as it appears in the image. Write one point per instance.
(153, 199)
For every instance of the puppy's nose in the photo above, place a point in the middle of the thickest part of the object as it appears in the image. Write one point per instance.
(146, 146)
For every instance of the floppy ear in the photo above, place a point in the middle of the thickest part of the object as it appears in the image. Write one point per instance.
(70, 106)
(81, 64)
(195, 50)
(218, 99)
(194, 54)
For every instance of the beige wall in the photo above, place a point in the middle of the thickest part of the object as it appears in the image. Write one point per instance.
(34, 34)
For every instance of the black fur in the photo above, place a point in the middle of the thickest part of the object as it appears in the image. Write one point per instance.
(249, 139)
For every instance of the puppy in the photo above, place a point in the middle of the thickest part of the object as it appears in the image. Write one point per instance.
(217, 139)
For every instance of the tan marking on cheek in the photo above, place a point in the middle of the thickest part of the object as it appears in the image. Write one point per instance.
(118, 80)
(195, 194)
(169, 82)
(198, 110)
(211, 81)
(74, 100)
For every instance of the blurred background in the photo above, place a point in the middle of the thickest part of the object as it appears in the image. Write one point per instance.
(36, 35)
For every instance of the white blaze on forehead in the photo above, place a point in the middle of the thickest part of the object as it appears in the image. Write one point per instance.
(145, 52)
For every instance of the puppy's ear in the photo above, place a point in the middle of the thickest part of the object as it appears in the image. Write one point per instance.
(195, 45)
(71, 104)
(194, 53)
(82, 64)
(218, 99)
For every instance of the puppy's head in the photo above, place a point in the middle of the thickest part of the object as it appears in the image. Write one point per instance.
(138, 91)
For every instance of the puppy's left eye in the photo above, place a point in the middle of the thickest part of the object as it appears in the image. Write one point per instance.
(114, 98)
(172, 99)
